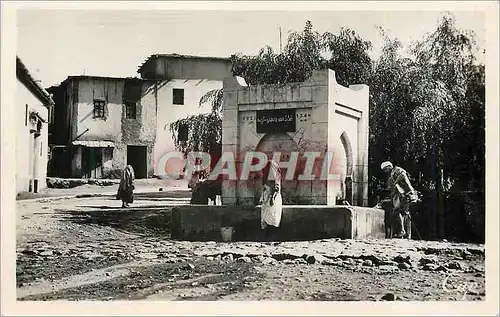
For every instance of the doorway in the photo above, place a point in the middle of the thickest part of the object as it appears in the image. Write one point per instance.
(137, 158)
(92, 162)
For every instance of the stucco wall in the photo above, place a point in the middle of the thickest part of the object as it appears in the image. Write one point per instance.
(192, 68)
(167, 112)
(324, 111)
(356, 105)
(155, 112)
(109, 127)
(89, 128)
(140, 131)
(26, 151)
(115, 126)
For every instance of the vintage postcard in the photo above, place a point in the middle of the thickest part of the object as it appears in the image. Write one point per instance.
(271, 158)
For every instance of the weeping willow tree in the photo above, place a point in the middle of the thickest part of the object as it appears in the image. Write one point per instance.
(303, 53)
(420, 103)
(427, 114)
(204, 131)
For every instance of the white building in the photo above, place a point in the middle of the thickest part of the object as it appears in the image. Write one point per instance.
(33, 113)
(183, 80)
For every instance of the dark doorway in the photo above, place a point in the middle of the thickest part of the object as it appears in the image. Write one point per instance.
(137, 158)
(92, 162)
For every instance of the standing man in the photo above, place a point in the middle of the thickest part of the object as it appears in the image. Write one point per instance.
(402, 196)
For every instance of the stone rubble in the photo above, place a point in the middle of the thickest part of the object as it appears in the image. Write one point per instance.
(366, 254)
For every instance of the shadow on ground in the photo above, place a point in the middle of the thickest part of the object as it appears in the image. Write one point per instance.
(165, 194)
(159, 195)
(55, 193)
(28, 195)
(136, 220)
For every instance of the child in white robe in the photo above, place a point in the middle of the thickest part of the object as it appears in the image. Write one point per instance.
(271, 200)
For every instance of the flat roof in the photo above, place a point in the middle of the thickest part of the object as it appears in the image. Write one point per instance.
(181, 56)
(97, 77)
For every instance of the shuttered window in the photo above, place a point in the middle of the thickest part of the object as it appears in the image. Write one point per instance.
(99, 108)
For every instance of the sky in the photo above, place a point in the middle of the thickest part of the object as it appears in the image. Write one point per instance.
(55, 44)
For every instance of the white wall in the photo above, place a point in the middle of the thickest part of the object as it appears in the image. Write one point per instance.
(167, 112)
(25, 151)
(193, 68)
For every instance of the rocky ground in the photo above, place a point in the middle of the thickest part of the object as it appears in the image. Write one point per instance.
(91, 249)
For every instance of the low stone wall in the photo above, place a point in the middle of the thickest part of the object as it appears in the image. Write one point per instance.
(53, 182)
(203, 223)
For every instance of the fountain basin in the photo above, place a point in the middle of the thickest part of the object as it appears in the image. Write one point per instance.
(298, 222)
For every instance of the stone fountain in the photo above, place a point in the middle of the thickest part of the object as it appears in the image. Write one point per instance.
(317, 131)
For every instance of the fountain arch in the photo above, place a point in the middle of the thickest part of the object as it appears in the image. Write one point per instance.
(348, 194)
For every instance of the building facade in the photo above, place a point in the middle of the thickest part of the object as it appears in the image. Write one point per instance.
(101, 124)
(182, 82)
(34, 111)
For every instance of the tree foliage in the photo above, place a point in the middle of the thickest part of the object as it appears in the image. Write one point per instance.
(204, 132)
(424, 106)
(303, 53)
(427, 111)
(349, 57)
(427, 105)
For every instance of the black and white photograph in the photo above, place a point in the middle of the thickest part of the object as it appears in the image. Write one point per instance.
(163, 154)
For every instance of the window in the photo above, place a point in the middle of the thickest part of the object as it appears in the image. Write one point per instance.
(130, 110)
(26, 116)
(99, 108)
(182, 135)
(178, 95)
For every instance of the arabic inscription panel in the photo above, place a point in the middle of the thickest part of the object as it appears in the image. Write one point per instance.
(249, 137)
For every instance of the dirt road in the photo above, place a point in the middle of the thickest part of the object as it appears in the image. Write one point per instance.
(91, 249)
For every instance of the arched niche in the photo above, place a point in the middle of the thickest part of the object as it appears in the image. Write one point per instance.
(349, 167)
(280, 142)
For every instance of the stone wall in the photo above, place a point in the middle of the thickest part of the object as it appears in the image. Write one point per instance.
(330, 119)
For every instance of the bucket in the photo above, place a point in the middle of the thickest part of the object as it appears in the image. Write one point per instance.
(226, 233)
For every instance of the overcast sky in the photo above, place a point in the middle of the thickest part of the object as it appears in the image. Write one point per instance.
(55, 44)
